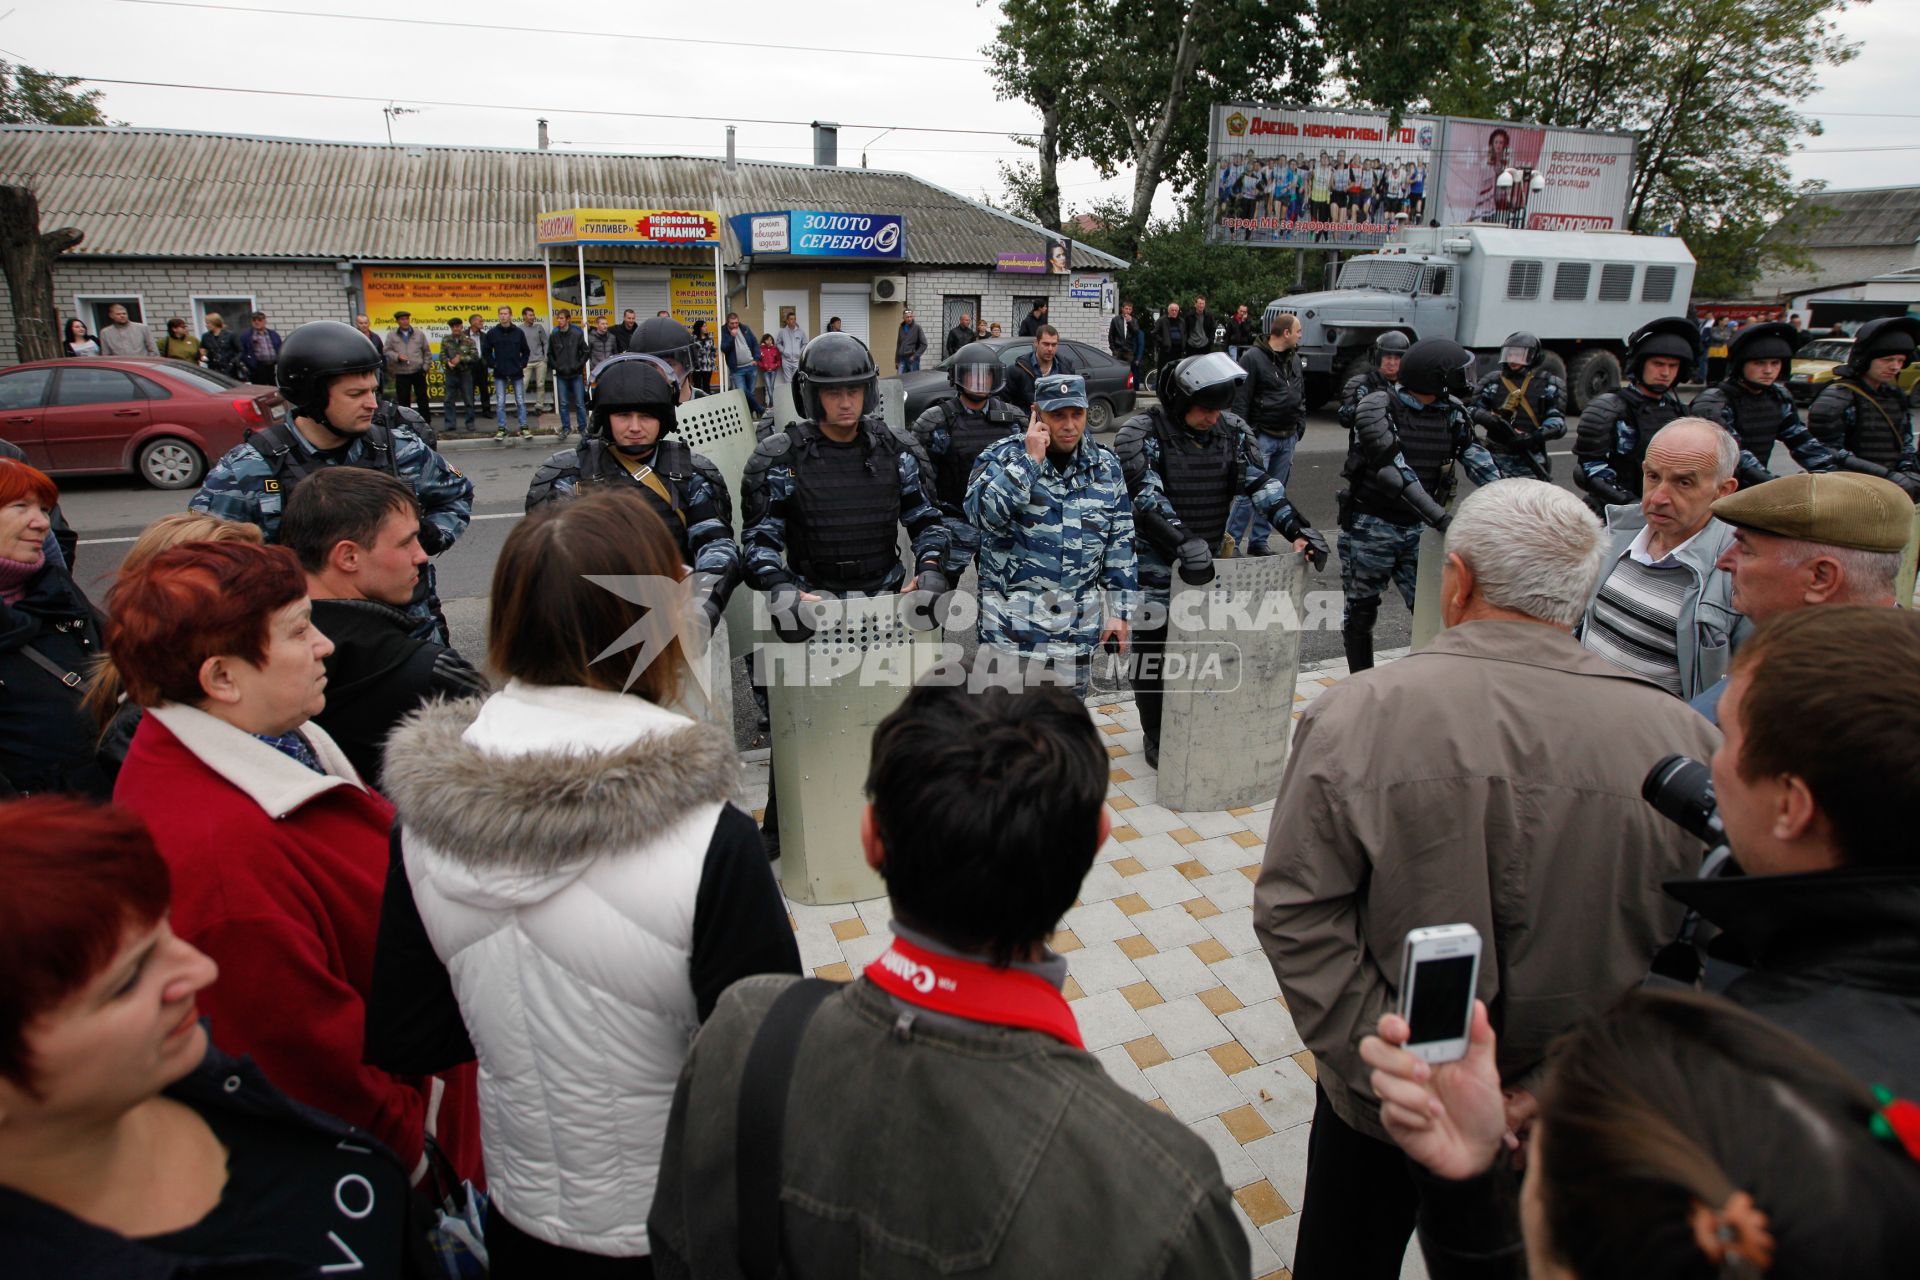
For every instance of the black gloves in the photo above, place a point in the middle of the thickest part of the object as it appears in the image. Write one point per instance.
(1908, 481)
(1605, 490)
(1497, 428)
(920, 607)
(1751, 473)
(792, 620)
(1194, 562)
(1316, 551)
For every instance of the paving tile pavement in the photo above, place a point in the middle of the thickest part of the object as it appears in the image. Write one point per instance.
(1172, 992)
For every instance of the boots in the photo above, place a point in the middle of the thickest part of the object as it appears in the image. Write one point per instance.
(1356, 633)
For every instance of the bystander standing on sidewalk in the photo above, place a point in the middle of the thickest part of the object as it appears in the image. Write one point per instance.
(120, 336)
(180, 344)
(536, 335)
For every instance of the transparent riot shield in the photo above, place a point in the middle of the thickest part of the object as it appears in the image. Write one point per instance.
(1232, 658)
(893, 403)
(785, 408)
(1426, 588)
(721, 427)
(826, 697)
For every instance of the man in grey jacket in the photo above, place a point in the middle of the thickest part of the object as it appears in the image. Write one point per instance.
(1663, 609)
(407, 354)
(792, 340)
(120, 337)
(1449, 787)
(536, 336)
(910, 345)
(941, 1116)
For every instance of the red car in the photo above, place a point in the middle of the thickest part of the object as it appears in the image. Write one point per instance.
(161, 419)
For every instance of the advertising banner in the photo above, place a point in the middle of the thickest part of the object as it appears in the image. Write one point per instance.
(820, 233)
(690, 296)
(690, 227)
(1034, 263)
(1306, 177)
(1534, 178)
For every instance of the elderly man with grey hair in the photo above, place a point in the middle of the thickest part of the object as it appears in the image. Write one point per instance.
(1491, 778)
(1663, 609)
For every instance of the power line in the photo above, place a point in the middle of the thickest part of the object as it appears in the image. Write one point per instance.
(550, 31)
(385, 100)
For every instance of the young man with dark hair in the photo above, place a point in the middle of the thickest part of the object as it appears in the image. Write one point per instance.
(357, 533)
(1817, 777)
(939, 1112)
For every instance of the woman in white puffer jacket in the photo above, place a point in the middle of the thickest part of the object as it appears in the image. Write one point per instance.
(580, 873)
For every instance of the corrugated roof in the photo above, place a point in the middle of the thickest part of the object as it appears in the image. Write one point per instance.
(158, 193)
(1851, 219)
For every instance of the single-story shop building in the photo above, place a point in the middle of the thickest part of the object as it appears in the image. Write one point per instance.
(184, 224)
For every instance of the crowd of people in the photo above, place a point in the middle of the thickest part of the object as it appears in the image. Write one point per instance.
(329, 951)
(1268, 194)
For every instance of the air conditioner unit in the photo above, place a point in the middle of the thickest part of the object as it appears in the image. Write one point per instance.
(889, 288)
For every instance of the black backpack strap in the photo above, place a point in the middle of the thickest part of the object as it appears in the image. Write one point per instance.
(274, 444)
(760, 1122)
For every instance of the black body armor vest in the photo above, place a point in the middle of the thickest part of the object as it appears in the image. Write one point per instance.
(1202, 473)
(849, 495)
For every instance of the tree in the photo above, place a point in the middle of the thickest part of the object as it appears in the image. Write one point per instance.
(1174, 262)
(1132, 84)
(26, 256)
(1713, 88)
(34, 97)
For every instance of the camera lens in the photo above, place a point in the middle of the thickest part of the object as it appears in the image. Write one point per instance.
(1681, 789)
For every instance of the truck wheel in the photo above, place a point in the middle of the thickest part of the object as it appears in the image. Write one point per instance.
(1551, 362)
(1593, 373)
(1349, 364)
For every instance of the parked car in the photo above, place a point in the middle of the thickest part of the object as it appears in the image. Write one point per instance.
(1110, 391)
(1815, 364)
(160, 419)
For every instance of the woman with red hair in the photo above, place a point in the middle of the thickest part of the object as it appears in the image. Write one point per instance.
(47, 642)
(278, 849)
(129, 1146)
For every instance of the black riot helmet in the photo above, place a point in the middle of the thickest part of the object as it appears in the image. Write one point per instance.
(1775, 340)
(1523, 349)
(667, 338)
(1437, 366)
(1206, 381)
(313, 356)
(1391, 343)
(1888, 336)
(976, 370)
(836, 360)
(633, 383)
(1673, 336)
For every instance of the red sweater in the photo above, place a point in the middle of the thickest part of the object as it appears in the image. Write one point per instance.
(289, 907)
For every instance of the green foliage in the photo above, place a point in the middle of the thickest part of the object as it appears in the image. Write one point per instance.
(1174, 262)
(1131, 83)
(29, 97)
(1712, 87)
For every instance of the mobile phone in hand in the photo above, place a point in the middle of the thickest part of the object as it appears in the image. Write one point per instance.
(1440, 969)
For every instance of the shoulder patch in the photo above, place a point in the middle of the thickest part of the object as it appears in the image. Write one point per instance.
(271, 485)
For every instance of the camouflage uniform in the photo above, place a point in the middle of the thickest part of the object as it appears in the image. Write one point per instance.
(952, 463)
(1533, 401)
(698, 510)
(459, 378)
(1358, 388)
(770, 506)
(1611, 443)
(1759, 417)
(1380, 532)
(1053, 542)
(1862, 424)
(1138, 447)
(246, 488)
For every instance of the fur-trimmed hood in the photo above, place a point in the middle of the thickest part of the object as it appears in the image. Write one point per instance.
(527, 787)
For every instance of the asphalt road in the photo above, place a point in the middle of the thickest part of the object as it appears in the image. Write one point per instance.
(109, 514)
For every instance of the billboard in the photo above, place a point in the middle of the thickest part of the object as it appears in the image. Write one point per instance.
(1315, 178)
(819, 233)
(1301, 177)
(696, 227)
(1555, 179)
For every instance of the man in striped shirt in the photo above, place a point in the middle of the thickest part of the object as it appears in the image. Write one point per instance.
(1663, 610)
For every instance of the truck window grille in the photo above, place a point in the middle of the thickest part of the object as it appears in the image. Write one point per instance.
(1658, 285)
(1570, 281)
(1523, 280)
(1616, 282)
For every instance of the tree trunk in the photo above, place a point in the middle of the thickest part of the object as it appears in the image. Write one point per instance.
(26, 255)
(1049, 201)
(1150, 158)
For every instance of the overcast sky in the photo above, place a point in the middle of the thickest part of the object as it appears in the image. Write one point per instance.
(528, 68)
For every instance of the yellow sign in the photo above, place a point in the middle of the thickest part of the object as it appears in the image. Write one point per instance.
(690, 297)
(599, 299)
(683, 227)
(436, 295)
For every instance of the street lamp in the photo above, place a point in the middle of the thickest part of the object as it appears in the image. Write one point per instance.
(1508, 179)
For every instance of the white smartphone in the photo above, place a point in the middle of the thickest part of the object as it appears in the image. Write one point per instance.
(1438, 976)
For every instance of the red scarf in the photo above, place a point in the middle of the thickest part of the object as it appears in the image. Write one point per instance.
(973, 990)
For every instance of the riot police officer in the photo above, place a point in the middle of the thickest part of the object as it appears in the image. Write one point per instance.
(823, 502)
(1185, 461)
(1400, 475)
(667, 339)
(1389, 349)
(952, 433)
(1616, 427)
(629, 444)
(1862, 416)
(330, 377)
(1752, 402)
(1520, 407)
